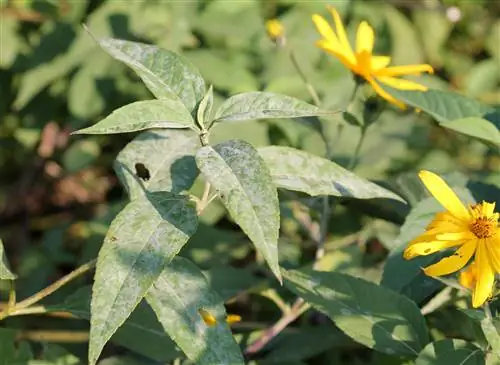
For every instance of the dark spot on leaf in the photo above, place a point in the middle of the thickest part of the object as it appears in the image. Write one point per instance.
(142, 172)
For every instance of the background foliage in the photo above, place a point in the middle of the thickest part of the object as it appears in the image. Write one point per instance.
(59, 193)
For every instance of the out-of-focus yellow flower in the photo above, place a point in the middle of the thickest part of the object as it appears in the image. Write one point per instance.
(211, 321)
(275, 30)
(474, 230)
(373, 69)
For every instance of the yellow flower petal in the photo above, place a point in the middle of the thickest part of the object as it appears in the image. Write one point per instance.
(444, 195)
(485, 277)
(467, 277)
(335, 51)
(365, 38)
(325, 30)
(405, 70)
(454, 262)
(378, 62)
(384, 94)
(493, 249)
(342, 36)
(401, 84)
(275, 29)
(207, 317)
(233, 318)
(426, 248)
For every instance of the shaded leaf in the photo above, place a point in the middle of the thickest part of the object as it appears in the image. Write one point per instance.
(450, 351)
(492, 335)
(166, 157)
(166, 74)
(5, 273)
(297, 170)
(10, 354)
(240, 175)
(370, 314)
(142, 115)
(229, 281)
(177, 297)
(143, 238)
(260, 105)
(479, 128)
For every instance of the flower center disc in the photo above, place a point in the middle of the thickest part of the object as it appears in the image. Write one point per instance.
(483, 227)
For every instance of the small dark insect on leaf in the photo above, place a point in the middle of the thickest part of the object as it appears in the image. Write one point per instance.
(113, 238)
(141, 171)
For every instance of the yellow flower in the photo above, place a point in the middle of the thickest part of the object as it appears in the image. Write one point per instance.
(468, 278)
(362, 62)
(275, 30)
(473, 231)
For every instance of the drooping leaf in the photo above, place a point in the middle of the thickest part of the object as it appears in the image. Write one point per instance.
(370, 314)
(260, 105)
(177, 297)
(450, 351)
(5, 273)
(479, 128)
(142, 239)
(301, 171)
(158, 160)
(142, 115)
(141, 332)
(166, 74)
(240, 175)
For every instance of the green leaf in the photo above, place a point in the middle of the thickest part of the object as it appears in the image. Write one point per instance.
(229, 281)
(205, 108)
(491, 334)
(297, 170)
(10, 354)
(479, 128)
(143, 238)
(443, 106)
(142, 115)
(238, 173)
(262, 105)
(450, 351)
(141, 332)
(5, 273)
(158, 160)
(166, 74)
(177, 295)
(370, 314)
(80, 155)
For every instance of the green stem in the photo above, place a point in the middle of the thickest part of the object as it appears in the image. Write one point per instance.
(354, 159)
(309, 87)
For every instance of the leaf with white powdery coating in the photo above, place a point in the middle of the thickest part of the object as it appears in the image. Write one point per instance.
(240, 175)
(143, 115)
(168, 157)
(176, 297)
(297, 170)
(143, 238)
(370, 314)
(5, 273)
(264, 105)
(166, 74)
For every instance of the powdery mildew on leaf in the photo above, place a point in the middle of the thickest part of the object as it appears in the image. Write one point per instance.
(166, 74)
(142, 239)
(168, 156)
(372, 315)
(5, 273)
(240, 175)
(301, 171)
(143, 115)
(176, 297)
(258, 105)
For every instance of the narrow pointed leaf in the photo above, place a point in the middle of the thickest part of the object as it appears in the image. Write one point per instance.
(143, 115)
(166, 74)
(5, 273)
(478, 128)
(450, 351)
(158, 160)
(176, 297)
(204, 112)
(264, 105)
(297, 170)
(370, 314)
(240, 175)
(142, 239)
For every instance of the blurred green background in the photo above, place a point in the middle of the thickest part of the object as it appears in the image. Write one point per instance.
(58, 192)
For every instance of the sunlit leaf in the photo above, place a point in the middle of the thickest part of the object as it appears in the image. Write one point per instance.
(5, 273)
(158, 160)
(165, 113)
(142, 239)
(243, 181)
(368, 313)
(450, 351)
(260, 105)
(479, 128)
(177, 297)
(297, 170)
